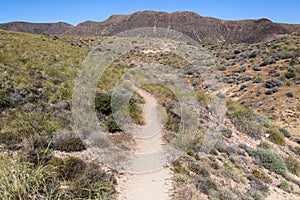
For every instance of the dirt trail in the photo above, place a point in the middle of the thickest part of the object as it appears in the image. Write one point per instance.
(153, 185)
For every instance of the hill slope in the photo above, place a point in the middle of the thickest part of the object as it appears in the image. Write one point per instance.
(202, 29)
(37, 28)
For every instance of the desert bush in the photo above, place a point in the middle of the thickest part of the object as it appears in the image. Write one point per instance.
(285, 132)
(199, 170)
(57, 165)
(103, 103)
(178, 168)
(112, 126)
(245, 119)
(227, 132)
(4, 101)
(265, 145)
(72, 168)
(293, 165)
(94, 183)
(203, 97)
(172, 123)
(261, 175)
(103, 106)
(297, 150)
(85, 180)
(205, 185)
(269, 160)
(290, 75)
(69, 144)
(284, 185)
(276, 136)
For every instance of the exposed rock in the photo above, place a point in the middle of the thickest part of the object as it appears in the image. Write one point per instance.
(290, 94)
(240, 69)
(257, 68)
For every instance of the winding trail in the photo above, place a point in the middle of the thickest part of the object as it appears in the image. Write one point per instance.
(154, 185)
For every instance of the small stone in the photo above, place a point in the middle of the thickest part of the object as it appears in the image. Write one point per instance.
(257, 68)
(290, 94)
(243, 87)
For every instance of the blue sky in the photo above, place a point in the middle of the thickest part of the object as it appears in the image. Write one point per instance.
(75, 11)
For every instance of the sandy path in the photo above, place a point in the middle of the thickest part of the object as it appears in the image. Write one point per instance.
(153, 185)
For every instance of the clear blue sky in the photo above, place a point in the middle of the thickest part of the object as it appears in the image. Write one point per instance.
(75, 11)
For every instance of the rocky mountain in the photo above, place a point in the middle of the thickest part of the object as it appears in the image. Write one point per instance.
(37, 28)
(202, 29)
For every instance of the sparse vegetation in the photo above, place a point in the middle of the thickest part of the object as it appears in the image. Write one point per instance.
(112, 126)
(103, 103)
(265, 145)
(37, 74)
(293, 165)
(285, 186)
(285, 132)
(20, 180)
(69, 144)
(276, 136)
(227, 132)
(245, 119)
(270, 160)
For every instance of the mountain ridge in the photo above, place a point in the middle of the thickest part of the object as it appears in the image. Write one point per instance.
(203, 29)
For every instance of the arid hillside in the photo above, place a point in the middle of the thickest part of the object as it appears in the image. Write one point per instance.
(257, 155)
(203, 29)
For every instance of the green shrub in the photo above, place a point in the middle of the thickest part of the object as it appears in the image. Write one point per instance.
(112, 126)
(94, 183)
(297, 150)
(58, 166)
(103, 106)
(289, 75)
(276, 136)
(285, 132)
(4, 101)
(265, 145)
(285, 186)
(293, 165)
(227, 132)
(172, 123)
(179, 169)
(203, 97)
(69, 144)
(261, 175)
(199, 170)
(103, 103)
(269, 160)
(73, 167)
